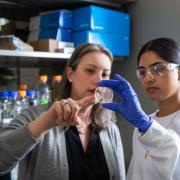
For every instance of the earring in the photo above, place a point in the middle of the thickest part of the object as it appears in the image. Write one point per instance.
(70, 80)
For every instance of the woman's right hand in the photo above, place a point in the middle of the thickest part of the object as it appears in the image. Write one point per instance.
(65, 112)
(61, 113)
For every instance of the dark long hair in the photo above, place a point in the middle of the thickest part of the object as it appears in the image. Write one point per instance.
(166, 48)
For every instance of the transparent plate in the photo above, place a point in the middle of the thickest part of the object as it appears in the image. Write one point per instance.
(103, 95)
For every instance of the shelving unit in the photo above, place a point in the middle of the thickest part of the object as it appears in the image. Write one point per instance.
(24, 9)
(10, 58)
(35, 54)
(13, 58)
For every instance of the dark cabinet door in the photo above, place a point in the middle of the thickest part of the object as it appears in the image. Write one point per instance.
(6, 177)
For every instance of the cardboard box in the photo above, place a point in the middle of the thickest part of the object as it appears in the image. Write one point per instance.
(117, 44)
(61, 18)
(66, 50)
(17, 28)
(62, 44)
(33, 36)
(48, 45)
(34, 23)
(101, 19)
(58, 34)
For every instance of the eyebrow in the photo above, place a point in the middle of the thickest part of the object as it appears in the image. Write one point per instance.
(160, 62)
(97, 67)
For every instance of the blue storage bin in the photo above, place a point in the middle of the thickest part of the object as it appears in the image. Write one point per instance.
(58, 34)
(100, 19)
(62, 18)
(117, 44)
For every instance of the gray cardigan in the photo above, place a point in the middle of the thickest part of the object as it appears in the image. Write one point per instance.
(46, 158)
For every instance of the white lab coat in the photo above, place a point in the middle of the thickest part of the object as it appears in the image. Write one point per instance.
(156, 154)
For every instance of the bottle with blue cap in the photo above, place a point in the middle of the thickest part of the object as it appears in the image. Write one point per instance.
(31, 96)
(13, 97)
(6, 106)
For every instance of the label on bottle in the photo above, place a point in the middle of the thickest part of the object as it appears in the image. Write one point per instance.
(43, 101)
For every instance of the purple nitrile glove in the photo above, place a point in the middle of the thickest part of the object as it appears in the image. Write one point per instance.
(130, 107)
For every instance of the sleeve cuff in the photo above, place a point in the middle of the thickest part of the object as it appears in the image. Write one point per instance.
(154, 136)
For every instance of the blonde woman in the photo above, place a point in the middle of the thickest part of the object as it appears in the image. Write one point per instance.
(74, 138)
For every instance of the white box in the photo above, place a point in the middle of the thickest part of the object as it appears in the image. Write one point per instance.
(33, 36)
(62, 44)
(66, 50)
(34, 23)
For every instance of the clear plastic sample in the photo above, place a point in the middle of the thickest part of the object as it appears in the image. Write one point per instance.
(103, 95)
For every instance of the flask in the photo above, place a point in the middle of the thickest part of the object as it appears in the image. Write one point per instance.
(22, 102)
(6, 107)
(55, 88)
(43, 90)
(31, 98)
(14, 97)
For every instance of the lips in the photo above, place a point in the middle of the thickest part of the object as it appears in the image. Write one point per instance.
(92, 91)
(152, 89)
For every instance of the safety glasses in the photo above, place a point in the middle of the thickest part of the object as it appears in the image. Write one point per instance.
(156, 69)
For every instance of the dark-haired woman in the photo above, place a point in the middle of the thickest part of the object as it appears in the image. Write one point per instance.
(156, 139)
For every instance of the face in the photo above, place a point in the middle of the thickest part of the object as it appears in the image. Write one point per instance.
(158, 87)
(93, 67)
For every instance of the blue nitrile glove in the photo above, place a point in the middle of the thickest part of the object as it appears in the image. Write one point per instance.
(130, 107)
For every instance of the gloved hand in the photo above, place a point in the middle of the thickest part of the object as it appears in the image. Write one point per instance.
(130, 107)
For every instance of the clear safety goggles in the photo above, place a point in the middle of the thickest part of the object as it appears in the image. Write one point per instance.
(156, 69)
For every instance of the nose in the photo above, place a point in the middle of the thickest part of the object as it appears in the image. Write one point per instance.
(98, 77)
(149, 77)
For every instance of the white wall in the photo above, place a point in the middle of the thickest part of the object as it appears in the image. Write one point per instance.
(149, 19)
